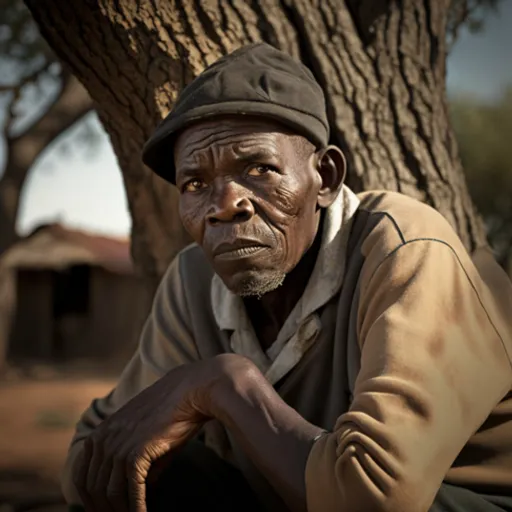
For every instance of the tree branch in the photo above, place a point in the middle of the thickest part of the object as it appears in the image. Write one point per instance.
(464, 12)
(10, 115)
(71, 104)
(16, 90)
(28, 79)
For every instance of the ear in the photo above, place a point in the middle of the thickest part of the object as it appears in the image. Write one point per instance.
(331, 166)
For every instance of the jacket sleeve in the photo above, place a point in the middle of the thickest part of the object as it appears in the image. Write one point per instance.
(433, 366)
(166, 342)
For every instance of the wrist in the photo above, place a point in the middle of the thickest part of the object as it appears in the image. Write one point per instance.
(237, 376)
(244, 391)
(271, 433)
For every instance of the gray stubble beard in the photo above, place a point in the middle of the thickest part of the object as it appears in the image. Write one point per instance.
(258, 283)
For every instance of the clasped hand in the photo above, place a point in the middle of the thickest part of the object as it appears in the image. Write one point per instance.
(118, 455)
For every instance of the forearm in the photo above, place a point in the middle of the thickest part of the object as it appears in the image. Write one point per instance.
(273, 435)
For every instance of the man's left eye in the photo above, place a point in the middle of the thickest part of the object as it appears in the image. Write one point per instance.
(259, 170)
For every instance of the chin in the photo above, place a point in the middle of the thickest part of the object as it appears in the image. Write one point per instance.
(254, 283)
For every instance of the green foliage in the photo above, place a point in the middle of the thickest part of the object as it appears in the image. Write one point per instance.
(468, 13)
(483, 132)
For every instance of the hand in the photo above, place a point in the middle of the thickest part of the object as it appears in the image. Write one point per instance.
(118, 455)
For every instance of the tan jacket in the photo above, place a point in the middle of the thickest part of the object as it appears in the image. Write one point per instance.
(419, 333)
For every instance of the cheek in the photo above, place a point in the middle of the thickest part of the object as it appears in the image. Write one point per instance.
(192, 215)
(293, 203)
(293, 211)
(288, 201)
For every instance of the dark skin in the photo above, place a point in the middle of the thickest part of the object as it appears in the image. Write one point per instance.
(248, 179)
(252, 196)
(269, 313)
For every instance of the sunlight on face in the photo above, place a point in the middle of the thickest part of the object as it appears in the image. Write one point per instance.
(248, 198)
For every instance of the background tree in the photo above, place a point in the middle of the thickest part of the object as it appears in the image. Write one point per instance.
(41, 100)
(483, 133)
(467, 13)
(381, 64)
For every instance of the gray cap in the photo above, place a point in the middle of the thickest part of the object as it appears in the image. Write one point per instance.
(254, 80)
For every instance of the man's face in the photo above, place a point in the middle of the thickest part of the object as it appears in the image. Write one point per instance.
(248, 198)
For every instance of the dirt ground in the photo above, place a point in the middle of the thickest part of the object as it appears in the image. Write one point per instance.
(38, 411)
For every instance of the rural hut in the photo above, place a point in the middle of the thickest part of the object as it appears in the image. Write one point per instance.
(75, 295)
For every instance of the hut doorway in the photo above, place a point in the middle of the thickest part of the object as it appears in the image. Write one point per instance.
(71, 299)
(52, 308)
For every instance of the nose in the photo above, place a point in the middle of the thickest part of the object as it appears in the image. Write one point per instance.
(229, 203)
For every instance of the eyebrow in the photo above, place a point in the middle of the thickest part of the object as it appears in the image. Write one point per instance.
(250, 154)
(189, 171)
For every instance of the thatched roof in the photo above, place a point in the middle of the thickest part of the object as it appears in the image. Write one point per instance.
(55, 247)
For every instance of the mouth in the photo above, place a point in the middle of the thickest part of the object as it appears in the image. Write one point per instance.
(239, 249)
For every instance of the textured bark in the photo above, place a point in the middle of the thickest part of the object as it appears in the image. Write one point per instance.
(381, 64)
(71, 104)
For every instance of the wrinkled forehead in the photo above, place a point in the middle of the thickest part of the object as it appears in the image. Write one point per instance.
(232, 133)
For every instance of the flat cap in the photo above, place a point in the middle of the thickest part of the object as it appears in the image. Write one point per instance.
(255, 80)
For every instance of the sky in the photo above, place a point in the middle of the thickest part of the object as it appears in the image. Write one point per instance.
(83, 188)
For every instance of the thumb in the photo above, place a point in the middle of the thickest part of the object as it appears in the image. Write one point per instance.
(138, 470)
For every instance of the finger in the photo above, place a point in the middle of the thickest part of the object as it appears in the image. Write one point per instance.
(110, 483)
(99, 486)
(95, 464)
(117, 488)
(137, 469)
(80, 477)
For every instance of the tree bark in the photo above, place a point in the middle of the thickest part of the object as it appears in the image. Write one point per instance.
(381, 64)
(71, 104)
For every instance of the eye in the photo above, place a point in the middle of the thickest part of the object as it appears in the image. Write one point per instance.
(260, 170)
(193, 185)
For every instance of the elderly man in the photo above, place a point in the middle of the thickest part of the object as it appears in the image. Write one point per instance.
(313, 350)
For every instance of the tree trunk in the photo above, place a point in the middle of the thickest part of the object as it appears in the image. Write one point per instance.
(381, 64)
(71, 104)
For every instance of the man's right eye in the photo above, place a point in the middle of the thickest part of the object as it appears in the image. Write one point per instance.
(193, 185)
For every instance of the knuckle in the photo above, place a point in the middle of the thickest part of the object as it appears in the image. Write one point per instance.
(133, 457)
(136, 461)
(97, 437)
(113, 493)
(91, 440)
